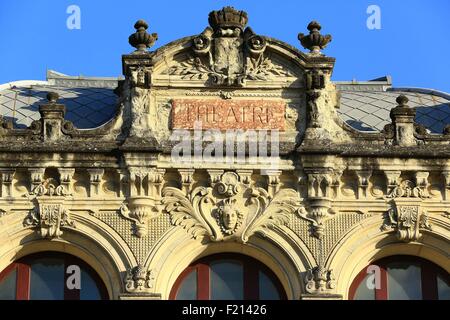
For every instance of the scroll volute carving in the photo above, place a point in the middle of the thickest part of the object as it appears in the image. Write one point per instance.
(230, 210)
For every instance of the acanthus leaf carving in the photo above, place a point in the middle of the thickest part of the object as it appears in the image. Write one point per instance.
(272, 213)
(49, 217)
(184, 212)
(230, 210)
(408, 220)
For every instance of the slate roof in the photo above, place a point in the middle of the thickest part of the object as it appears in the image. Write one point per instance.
(90, 102)
(366, 106)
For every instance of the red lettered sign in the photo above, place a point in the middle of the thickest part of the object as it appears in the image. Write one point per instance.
(228, 114)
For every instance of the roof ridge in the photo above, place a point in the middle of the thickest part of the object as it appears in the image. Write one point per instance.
(438, 93)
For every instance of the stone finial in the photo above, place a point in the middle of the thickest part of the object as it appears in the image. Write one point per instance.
(314, 41)
(228, 18)
(403, 121)
(141, 39)
(403, 110)
(52, 97)
(402, 100)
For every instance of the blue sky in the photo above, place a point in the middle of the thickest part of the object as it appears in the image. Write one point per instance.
(412, 46)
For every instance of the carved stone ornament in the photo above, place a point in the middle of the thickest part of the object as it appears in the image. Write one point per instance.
(319, 280)
(407, 189)
(318, 211)
(140, 210)
(227, 53)
(49, 216)
(48, 188)
(138, 279)
(141, 39)
(314, 41)
(230, 210)
(408, 220)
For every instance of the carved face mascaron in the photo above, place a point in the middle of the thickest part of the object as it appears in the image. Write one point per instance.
(228, 218)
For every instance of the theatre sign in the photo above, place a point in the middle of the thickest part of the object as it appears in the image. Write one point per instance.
(228, 114)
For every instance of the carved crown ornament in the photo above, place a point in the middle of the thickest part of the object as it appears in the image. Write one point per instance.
(230, 210)
(227, 53)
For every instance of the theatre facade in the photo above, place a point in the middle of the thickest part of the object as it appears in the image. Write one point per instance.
(224, 165)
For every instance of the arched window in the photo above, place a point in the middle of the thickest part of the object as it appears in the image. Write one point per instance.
(50, 276)
(401, 278)
(227, 277)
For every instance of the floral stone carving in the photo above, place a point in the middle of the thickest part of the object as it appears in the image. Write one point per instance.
(408, 220)
(319, 280)
(230, 210)
(138, 279)
(49, 214)
(49, 217)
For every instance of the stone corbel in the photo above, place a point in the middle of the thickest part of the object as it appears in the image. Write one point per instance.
(422, 181)
(214, 176)
(124, 183)
(7, 176)
(363, 182)
(187, 179)
(36, 177)
(95, 178)
(137, 181)
(393, 180)
(273, 182)
(65, 177)
(245, 176)
(336, 182)
(155, 181)
(446, 175)
(319, 184)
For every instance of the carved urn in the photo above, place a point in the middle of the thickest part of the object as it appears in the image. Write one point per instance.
(140, 210)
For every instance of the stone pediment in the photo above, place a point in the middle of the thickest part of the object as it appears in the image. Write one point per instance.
(271, 66)
(228, 54)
